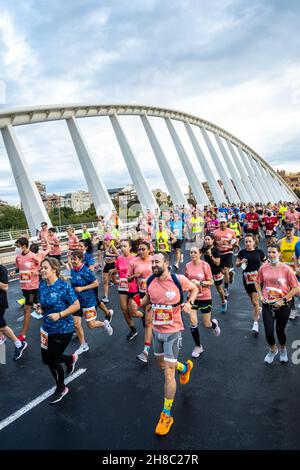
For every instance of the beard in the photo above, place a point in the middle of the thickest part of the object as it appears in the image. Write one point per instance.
(158, 272)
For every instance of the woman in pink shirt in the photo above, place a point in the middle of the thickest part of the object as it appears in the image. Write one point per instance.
(126, 289)
(199, 273)
(53, 241)
(276, 285)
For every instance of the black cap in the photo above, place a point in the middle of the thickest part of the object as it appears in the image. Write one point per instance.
(289, 226)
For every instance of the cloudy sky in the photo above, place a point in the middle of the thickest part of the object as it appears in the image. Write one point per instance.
(233, 62)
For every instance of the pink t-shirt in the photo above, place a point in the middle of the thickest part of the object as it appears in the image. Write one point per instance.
(43, 233)
(54, 244)
(122, 264)
(276, 281)
(223, 239)
(73, 242)
(292, 217)
(166, 293)
(143, 268)
(200, 272)
(28, 266)
(211, 225)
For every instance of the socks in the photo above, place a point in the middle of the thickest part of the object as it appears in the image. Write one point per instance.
(167, 406)
(147, 347)
(18, 343)
(132, 328)
(182, 368)
(195, 335)
(213, 325)
(226, 284)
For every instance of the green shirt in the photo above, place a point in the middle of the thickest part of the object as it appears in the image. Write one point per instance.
(86, 235)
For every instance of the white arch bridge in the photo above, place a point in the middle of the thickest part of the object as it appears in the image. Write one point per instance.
(245, 176)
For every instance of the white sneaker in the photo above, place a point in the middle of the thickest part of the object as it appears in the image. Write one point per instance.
(143, 356)
(197, 351)
(271, 356)
(82, 349)
(226, 293)
(217, 330)
(283, 357)
(108, 328)
(255, 328)
(293, 314)
(105, 300)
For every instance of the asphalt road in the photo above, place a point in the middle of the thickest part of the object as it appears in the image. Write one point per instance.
(233, 400)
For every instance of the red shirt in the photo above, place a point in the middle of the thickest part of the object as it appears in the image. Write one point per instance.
(252, 220)
(270, 222)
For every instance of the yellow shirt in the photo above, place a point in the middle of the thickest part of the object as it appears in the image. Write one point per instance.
(162, 241)
(287, 250)
(197, 223)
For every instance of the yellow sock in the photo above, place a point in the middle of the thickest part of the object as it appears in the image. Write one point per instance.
(181, 367)
(167, 406)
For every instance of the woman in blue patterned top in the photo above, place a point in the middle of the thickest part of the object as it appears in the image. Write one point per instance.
(57, 303)
(84, 282)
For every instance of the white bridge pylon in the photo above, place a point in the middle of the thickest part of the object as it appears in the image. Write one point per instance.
(241, 175)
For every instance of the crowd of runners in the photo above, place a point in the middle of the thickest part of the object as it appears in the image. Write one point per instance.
(64, 291)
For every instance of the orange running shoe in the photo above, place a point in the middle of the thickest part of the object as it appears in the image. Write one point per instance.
(184, 378)
(164, 424)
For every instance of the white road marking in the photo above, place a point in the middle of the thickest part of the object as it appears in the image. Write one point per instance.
(37, 401)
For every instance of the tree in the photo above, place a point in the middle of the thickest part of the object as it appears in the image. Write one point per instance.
(12, 218)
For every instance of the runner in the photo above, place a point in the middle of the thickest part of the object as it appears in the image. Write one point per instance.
(165, 299)
(250, 259)
(276, 285)
(225, 240)
(212, 256)
(196, 225)
(126, 289)
(84, 283)
(176, 227)
(293, 217)
(287, 246)
(20, 346)
(164, 237)
(58, 302)
(211, 222)
(140, 268)
(234, 225)
(86, 235)
(270, 224)
(43, 231)
(110, 255)
(27, 265)
(100, 239)
(53, 241)
(199, 273)
(252, 223)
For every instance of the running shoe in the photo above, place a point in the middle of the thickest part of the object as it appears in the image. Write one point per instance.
(224, 307)
(143, 356)
(105, 300)
(82, 349)
(283, 357)
(19, 351)
(70, 367)
(21, 301)
(111, 284)
(109, 316)
(164, 424)
(271, 356)
(184, 378)
(217, 330)
(293, 314)
(108, 328)
(175, 267)
(132, 334)
(197, 351)
(58, 395)
(255, 328)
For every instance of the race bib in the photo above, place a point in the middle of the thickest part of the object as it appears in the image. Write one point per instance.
(123, 285)
(44, 339)
(142, 285)
(274, 294)
(249, 225)
(269, 233)
(250, 277)
(25, 276)
(89, 313)
(218, 277)
(162, 314)
(162, 246)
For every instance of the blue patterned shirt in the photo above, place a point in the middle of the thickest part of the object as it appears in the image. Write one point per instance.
(88, 259)
(80, 278)
(55, 298)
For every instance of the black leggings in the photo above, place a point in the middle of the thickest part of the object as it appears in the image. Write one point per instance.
(281, 316)
(53, 356)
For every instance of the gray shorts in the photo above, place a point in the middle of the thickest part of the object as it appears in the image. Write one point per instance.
(167, 345)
